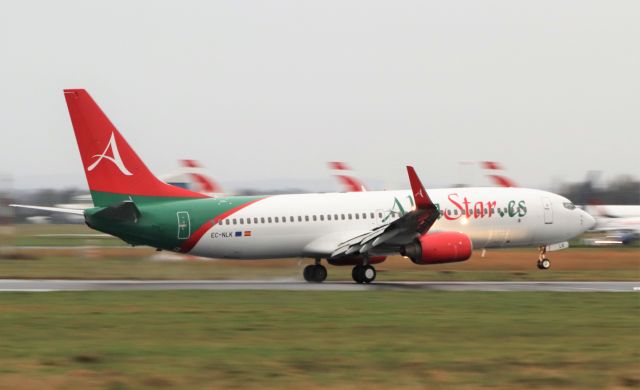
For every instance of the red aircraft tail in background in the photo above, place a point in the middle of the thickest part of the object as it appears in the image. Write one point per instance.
(494, 174)
(344, 175)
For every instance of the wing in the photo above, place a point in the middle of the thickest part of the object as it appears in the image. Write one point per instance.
(412, 224)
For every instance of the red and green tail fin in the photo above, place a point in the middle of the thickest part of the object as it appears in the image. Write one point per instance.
(114, 171)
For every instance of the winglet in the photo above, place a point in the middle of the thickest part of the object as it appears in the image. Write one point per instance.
(419, 193)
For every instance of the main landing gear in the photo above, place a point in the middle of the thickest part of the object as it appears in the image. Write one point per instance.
(543, 261)
(315, 273)
(363, 273)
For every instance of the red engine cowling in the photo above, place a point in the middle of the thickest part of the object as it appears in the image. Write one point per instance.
(355, 260)
(439, 247)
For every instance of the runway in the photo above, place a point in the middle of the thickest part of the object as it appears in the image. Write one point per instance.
(45, 285)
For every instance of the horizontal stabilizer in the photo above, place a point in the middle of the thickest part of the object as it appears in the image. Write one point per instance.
(51, 209)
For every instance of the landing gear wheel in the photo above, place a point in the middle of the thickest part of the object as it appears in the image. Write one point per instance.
(356, 274)
(545, 264)
(363, 274)
(369, 274)
(315, 273)
(319, 273)
(308, 273)
(539, 264)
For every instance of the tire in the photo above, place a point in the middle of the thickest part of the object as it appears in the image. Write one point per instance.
(356, 274)
(308, 273)
(545, 264)
(368, 274)
(319, 273)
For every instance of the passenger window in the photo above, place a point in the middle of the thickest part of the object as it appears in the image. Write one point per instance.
(255, 220)
(248, 221)
(328, 217)
(235, 221)
(241, 221)
(269, 219)
(299, 218)
(227, 221)
(335, 217)
(276, 219)
(343, 217)
(291, 219)
(349, 215)
(262, 220)
(314, 218)
(357, 215)
(306, 218)
(284, 219)
(364, 215)
(373, 215)
(380, 215)
(220, 222)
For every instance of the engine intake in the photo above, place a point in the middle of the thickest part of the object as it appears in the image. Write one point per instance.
(439, 247)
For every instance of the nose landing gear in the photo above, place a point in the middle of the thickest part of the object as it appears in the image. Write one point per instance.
(543, 261)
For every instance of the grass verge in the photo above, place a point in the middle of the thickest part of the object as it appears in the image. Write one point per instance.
(243, 339)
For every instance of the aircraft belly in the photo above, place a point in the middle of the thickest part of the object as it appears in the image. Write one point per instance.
(260, 243)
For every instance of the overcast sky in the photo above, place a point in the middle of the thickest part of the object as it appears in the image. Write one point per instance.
(265, 92)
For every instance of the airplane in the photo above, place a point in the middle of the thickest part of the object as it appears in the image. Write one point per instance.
(356, 229)
(622, 227)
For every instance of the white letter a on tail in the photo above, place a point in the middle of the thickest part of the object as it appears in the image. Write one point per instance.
(116, 159)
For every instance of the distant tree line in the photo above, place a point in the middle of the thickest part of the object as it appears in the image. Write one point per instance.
(622, 190)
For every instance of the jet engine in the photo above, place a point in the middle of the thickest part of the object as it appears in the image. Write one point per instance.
(439, 247)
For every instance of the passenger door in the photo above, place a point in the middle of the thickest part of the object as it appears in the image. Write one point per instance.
(548, 211)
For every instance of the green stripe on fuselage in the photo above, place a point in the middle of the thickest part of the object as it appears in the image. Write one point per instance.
(159, 219)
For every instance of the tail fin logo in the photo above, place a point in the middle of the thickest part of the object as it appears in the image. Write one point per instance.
(114, 158)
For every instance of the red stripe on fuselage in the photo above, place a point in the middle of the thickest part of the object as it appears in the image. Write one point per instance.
(197, 235)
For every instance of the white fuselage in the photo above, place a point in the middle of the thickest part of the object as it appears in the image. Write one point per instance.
(313, 225)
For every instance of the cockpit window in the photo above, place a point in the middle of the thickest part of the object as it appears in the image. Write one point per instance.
(569, 205)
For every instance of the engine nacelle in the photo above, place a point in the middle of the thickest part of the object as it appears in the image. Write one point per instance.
(439, 247)
(355, 260)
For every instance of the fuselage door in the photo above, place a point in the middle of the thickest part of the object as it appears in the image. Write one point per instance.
(548, 211)
(184, 225)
